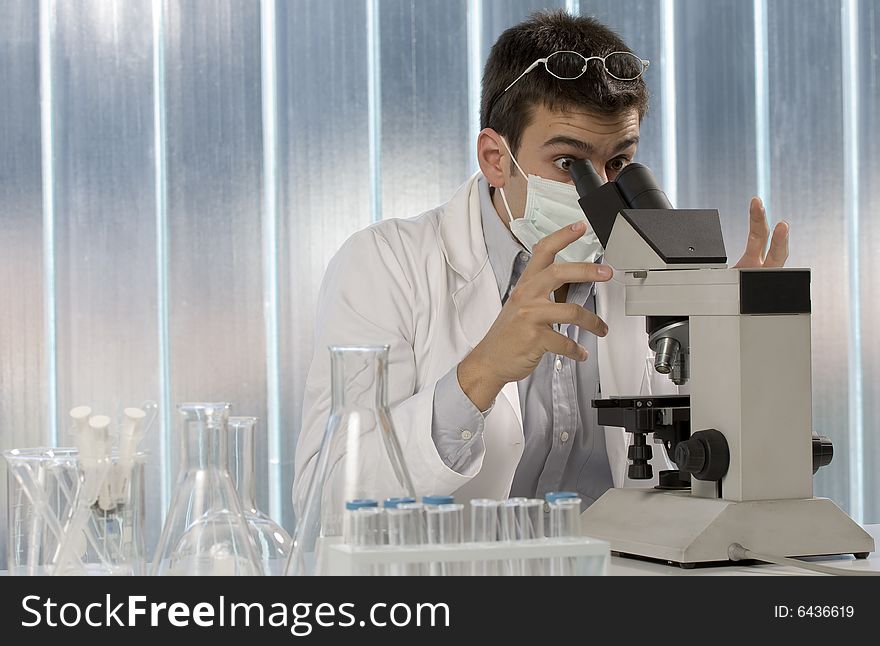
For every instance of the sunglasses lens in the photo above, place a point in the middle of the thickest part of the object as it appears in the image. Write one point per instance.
(624, 66)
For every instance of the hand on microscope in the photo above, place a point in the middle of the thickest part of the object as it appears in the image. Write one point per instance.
(523, 331)
(759, 232)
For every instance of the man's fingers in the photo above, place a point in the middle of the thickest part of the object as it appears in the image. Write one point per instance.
(559, 344)
(778, 253)
(759, 231)
(545, 251)
(573, 314)
(561, 273)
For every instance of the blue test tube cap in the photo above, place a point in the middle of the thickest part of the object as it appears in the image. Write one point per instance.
(361, 504)
(553, 496)
(438, 500)
(392, 503)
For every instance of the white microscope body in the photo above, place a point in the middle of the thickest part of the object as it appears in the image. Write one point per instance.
(741, 339)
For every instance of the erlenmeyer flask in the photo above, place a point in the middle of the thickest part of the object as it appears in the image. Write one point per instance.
(272, 542)
(360, 455)
(205, 531)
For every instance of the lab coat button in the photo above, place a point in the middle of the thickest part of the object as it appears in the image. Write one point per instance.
(466, 434)
(564, 436)
(558, 364)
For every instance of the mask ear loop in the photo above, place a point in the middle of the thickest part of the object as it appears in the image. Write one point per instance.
(506, 205)
(501, 189)
(516, 163)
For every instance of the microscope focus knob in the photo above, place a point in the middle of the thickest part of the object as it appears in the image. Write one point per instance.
(690, 456)
(823, 451)
(640, 455)
(705, 455)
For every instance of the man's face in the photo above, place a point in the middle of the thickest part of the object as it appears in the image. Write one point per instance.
(554, 138)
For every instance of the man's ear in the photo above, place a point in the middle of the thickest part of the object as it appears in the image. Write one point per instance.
(492, 156)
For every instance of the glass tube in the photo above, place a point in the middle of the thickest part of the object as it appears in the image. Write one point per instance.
(509, 531)
(484, 529)
(406, 526)
(444, 527)
(348, 529)
(565, 522)
(530, 517)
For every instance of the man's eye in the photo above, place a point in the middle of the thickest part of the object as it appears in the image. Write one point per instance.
(617, 165)
(564, 163)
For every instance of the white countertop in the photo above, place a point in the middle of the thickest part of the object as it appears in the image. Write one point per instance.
(623, 566)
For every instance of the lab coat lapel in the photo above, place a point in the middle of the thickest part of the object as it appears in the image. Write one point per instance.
(477, 301)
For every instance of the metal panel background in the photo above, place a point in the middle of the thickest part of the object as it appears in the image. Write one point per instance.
(214, 169)
(104, 207)
(424, 108)
(806, 126)
(868, 82)
(498, 15)
(22, 375)
(715, 100)
(324, 178)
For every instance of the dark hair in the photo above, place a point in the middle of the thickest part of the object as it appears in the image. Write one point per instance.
(542, 34)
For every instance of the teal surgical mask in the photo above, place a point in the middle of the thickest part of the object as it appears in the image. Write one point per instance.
(550, 206)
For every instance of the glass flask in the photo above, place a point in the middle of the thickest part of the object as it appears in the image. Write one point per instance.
(205, 532)
(272, 542)
(360, 456)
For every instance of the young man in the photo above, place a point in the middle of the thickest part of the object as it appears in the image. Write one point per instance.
(497, 350)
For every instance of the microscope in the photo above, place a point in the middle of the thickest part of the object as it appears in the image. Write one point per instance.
(742, 438)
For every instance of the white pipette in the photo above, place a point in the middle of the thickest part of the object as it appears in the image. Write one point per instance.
(130, 435)
(95, 452)
(80, 416)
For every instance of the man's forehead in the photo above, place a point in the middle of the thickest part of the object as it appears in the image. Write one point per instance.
(557, 126)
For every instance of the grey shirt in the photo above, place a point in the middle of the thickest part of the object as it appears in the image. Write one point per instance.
(564, 446)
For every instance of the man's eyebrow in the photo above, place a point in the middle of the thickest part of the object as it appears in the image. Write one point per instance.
(585, 147)
(623, 145)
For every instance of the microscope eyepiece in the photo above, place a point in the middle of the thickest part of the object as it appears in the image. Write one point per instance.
(640, 190)
(585, 177)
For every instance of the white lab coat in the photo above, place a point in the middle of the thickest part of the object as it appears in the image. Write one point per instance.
(425, 287)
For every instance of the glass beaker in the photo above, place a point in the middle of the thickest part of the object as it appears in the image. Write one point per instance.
(205, 532)
(271, 540)
(56, 525)
(360, 456)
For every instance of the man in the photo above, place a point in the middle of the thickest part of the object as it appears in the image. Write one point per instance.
(497, 350)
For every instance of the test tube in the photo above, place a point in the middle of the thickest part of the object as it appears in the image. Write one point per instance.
(366, 525)
(418, 530)
(565, 522)
(392, 503)
(444, 527)
(484, 529)
(413, 532)
(348, 523)
(403, 527)
(552, 497)
(565, 518)
(509, 531)
(530, 517)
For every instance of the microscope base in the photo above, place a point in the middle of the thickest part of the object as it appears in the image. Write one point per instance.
(680, 528)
